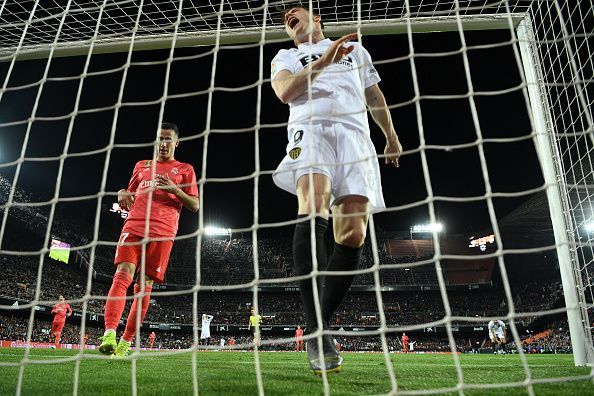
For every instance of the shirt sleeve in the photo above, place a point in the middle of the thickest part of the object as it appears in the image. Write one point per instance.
(133, 184)
(283, 61)
(190, 185)
(369, 74)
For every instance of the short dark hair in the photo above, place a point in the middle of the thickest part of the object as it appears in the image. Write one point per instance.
(298, 4)
(172, 126)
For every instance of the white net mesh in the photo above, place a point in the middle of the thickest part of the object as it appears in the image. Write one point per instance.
(96, 112)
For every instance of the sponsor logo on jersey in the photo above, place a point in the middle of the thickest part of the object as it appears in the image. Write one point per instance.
(306, 60)
(348, 61)
(174, 171)
(294, 154)
(145, 184)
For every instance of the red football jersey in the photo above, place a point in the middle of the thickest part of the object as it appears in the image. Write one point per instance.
(152, 336)
(165, 207)
(299, 333)
(60, 311)
(405, 339)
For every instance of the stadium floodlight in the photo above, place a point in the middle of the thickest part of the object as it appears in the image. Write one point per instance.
(589, 227)
(217, 231)
(426, 228)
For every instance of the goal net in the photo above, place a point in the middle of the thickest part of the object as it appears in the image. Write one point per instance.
(492, 101)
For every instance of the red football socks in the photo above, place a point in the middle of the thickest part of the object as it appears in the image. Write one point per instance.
(131, 322)
(115, 306)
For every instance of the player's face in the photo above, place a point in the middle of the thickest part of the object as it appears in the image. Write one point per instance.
(297, 24)
(61, 299)
(167, 144)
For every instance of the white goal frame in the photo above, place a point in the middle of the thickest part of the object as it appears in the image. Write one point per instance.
(544, 131)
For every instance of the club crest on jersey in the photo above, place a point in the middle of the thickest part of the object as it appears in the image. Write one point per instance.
(174, 171)
(147, 163)
(295, 153)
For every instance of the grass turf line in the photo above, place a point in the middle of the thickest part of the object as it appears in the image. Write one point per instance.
(284, 373)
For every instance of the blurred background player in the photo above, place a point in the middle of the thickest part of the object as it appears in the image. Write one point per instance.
(222, 343)
(60, 311)
(152, 337)
(205, 333)
(497, 335)
(254, 326)
(404, 343)
(172, 188)
(299, 339)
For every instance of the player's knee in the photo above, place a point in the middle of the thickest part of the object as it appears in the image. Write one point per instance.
(352, 237)
(127, 267)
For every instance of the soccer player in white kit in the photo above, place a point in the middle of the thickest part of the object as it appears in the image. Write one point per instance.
(331, 161)
(497, 335)
(205, 333)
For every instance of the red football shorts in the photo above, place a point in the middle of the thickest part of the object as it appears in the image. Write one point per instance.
(57, 327)
(157, 255)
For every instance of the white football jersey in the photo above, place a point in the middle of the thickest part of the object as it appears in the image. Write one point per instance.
(337, 93)
(205, 330)
(496, 326)
(206, 319)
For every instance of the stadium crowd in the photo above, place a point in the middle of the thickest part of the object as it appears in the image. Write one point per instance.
(19, 277)
(230, 261)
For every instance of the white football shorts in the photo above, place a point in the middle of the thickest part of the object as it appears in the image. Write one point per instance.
(345, 154)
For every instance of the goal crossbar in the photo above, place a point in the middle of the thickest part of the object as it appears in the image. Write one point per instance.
(106, 45)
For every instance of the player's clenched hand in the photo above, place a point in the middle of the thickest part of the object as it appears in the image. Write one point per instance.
(163, 182)
(337, 50)
(392, 151)
(125, 199)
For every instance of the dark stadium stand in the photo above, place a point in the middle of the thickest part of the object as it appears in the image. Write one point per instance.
(410, 292)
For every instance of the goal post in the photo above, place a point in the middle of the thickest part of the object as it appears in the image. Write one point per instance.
(549, 157)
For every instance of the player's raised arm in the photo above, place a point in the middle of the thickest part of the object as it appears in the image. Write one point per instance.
(381, 115)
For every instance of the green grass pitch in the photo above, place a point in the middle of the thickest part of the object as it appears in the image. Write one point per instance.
(284, 373)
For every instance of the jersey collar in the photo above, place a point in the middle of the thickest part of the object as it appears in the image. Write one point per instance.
(303, 47)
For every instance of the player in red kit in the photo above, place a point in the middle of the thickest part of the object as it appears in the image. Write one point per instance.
(231, 342)
(167, 185)
(152, 337)
(299, 339)
(404, 343)
(60, 311)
